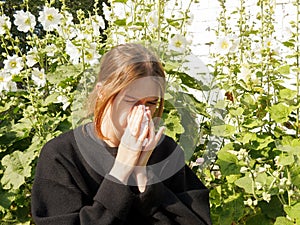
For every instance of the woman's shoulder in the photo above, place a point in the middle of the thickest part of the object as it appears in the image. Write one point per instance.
(61, 141)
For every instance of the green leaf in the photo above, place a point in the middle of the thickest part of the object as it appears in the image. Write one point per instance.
(288, 44)
(224, 130)
(6, 198)
(286, 160)
(280, 112)
(17, 168)
(173, 125)
(51, 98)
(252, 123)
(287, 94)
(283, 221)
(246, 137)
(259, 219)
(228, 163)
(236, 112)
(246, 183)
(293, 211)
(264, 141)
(232, 209)
(63, 72)
(284, 69)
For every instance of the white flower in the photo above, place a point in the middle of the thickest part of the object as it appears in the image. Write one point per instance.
(255, 202)
(152, 19)
(32, 57)
(69, 18)
(38, 77)
(100, 21)
(119, 11)
(243, 169)
(50, 18)
(91, 56)
(50, 50)
(272, 45)
(249, 202)
(244, 73)
(64, 100)
(13, 64)
(261, 169)
(5, 79)
(24, 20)
(223, 45)
(5, 24)
(258, 185)
(178, 43)
(266, 197)
(73, 52)
(235, 41)
(106, 11)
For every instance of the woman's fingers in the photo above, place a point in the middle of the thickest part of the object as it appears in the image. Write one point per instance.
(159, 134)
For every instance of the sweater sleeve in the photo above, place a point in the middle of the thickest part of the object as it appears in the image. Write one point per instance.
(57, 198)
(189, 206)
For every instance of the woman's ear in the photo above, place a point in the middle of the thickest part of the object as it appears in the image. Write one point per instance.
(98, 89)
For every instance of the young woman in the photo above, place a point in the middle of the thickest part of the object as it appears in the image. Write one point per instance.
(119, 169)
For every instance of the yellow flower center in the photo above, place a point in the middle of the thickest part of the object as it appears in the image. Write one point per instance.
(1, 79)
(178, 44)
(27, 21)
(13, 64)
(89, 56)
(224, 45)
(50, 17)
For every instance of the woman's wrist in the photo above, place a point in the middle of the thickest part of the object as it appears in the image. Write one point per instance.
(121, 172)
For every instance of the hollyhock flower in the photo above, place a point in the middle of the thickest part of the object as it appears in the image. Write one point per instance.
(100, 21)
(50, 18)
(152, 19)
(119, 10)
(32, 57)
(73, 52)
(178, 43)
(24, 21)
(106, 11)
(5, 24)
(5, 79)
(64, 100)
(223, 45)
(39, 77)
(13, 64)
(91, 56)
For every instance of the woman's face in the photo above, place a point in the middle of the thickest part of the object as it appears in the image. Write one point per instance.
(143, 91)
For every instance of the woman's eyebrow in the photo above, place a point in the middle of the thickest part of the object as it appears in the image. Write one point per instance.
(128, 96)
(131, 97)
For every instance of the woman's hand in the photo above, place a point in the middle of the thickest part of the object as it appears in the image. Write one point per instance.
(140, 171)
(130, 147)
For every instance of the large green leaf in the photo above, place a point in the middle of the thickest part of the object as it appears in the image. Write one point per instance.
(224, 130)
(293, 212)
(283, 221)
(280, 112)
(246, 183)
(17, 168)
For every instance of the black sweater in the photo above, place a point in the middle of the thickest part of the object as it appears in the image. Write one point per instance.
(72, 186)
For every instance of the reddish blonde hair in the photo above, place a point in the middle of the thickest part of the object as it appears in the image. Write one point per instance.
(120, 67)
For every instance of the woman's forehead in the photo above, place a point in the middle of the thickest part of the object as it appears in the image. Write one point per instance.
(145, 87)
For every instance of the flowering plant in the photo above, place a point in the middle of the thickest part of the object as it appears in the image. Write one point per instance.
(256, 175)
(45, 80)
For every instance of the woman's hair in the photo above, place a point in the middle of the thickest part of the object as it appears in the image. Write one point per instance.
(119, 67)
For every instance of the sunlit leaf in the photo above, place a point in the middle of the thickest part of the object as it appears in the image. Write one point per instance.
(280, 112)
(17, 168)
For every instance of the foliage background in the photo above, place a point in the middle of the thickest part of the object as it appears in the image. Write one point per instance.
(237, 122)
